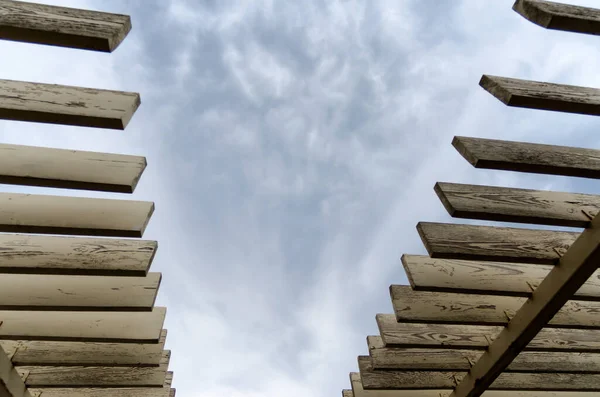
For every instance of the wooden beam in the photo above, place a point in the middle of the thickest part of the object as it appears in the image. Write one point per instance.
(125, 327)
(549, 302)
(62, 26)
(29, 213)
(488, 243)
(108, 392)
(347, 393)
(69, 169)
(518, 205)
(38, 353)
(75, 255)
(474, 309)
(492, 278)
(529, 157)
(558, 16)
(11, 384)
(68, 105)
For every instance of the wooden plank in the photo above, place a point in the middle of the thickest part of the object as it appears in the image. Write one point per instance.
(529, 157)
(126, 327)
(41, 214)
(518, 205)
(460, 336)
(107, 392)
(558, 16)
(68, 105)
(448, 359)
(494, 278)
(69, 169)
(488, 243)
(75, 255)
(474, 309)
(43, 292)
(543, 96)
(11, 384)
(347, 393)
(547, 305)
(31, 352)
(62, 26)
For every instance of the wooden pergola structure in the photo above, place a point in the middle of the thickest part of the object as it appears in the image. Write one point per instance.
(502, 311)
(77, 314)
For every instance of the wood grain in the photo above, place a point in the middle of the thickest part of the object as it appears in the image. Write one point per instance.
(488, 243)
(558, 16)
(41, 214)
(482, 277)
(124, 327)
(347, 393)
(460, 336)
(529, 157)
(62, 26)
(38, 353)
(474, 309)
(75, 255)
(68, 105)
(69, 169)
(108, 392)
(11, 384)
(518, 205)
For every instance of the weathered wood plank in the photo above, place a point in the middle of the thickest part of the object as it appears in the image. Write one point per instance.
(518, 205)
(474, 309)
(125, 327)
(488, 243)
(426, 359)
(108, 392)
(69, 169)
(496, 278)
(347, 393)
(529, 157)
(41, 214)
(62, 26)
(558, 16)
(31, 352)
(68, 105)
(11, 384)
(460, 336)
(75, 255)
(543, 96)
(55, 292)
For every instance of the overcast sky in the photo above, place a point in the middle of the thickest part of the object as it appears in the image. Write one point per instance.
(292, 148)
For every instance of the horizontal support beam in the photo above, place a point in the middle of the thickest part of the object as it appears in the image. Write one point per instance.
(11, 384)
(474, 309)
(482, 277)
(488, 243)
(32, 352)
(543, 96)
(107, 392)
(75, 255)
(41, 214)
(558, 16)
(125, 327)
(529, 157)
(52, 292)
(62, 26)
(67, 105)
(69, 169)
(518, 205)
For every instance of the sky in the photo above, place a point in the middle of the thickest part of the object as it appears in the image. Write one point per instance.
(292, 148)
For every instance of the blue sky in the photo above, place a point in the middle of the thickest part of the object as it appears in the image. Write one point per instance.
(292, 148)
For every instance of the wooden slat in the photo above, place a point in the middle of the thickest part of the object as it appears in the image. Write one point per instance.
(75, 255)
(11, 384)
(543, 96)
(62, 26)
(460, 336)
(487, 243)
(347, 393)
(41, 214)
(68, 105)
(126, 327)
(558, 16)
(497, 278)
(69, 169)
(106, 392)
(52, 292)
(474, 309)
(27, 352)
(426, 359)
(518, 205)
(529, 157)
